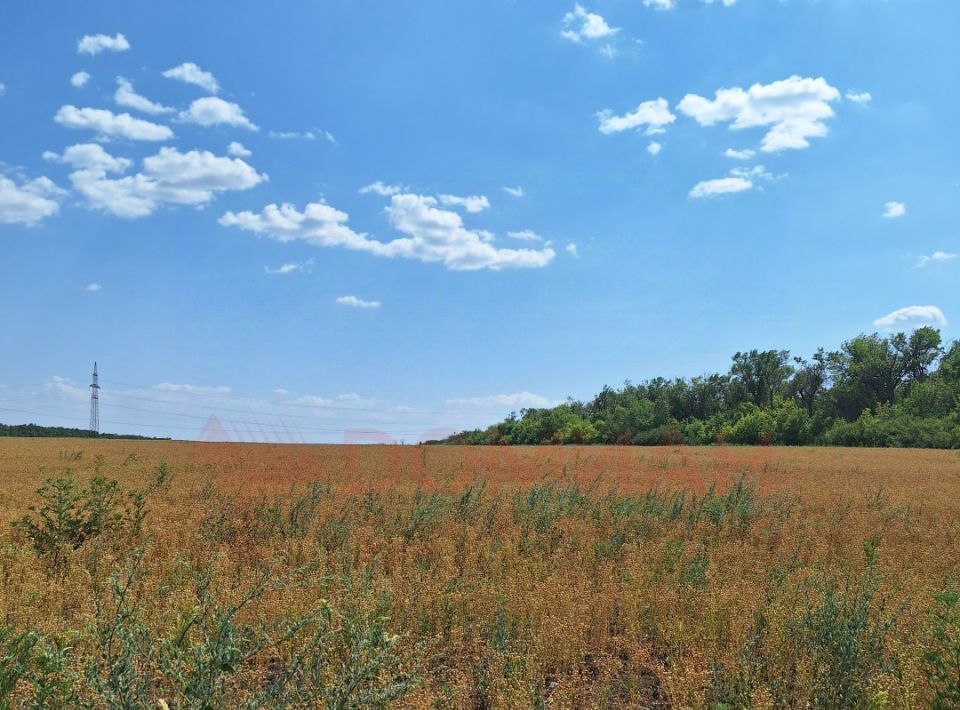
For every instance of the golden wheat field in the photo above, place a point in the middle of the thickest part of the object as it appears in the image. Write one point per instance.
(181, 575)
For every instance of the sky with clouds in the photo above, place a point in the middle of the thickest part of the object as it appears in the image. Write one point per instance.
(417, 216)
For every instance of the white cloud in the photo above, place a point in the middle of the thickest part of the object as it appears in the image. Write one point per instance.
(93, 287)
(28, 203)
(793, 109)
(382, 189)
(192, 74)
(652, 116)
(721, 186)
(3, 88)
(64, 386)
(892, 210)
(107, 123)
(79, 79)
(571, 249)
(290, 268)
(746, 154)
(938, 257)
(660, 4)
(725, 3)
(300, 135)
(128, 98)
(514, 191)
(580, 25)
(169, 177)
(211, 111)
(280, 391)
(351, 400)
(472, 204)
(89, 156)
(912, 317)
(525, 235)
(654, 148)
(192, 389)
(859, 97)
(430, 234)
(739, 180)
(757, 172)
(94, 44)
(501, 401)
(355, 302)
(238, 150)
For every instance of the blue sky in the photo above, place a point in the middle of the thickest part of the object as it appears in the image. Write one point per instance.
(400, 216)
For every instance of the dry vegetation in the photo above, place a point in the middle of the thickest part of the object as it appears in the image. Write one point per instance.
(260, 576)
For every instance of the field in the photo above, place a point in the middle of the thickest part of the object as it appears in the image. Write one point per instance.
(237, 575)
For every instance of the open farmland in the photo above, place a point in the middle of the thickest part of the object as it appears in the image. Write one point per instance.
(301, 576)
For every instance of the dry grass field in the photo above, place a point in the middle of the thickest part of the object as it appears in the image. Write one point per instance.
(233, 575)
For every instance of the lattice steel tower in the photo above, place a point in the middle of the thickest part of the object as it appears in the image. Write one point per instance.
(95, 402)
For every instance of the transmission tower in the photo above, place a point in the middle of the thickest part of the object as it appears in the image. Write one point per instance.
(95, 403)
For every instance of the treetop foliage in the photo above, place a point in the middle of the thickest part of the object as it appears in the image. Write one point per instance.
(901, 390)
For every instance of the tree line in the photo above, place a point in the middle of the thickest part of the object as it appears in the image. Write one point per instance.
(898, 390)
(36, 430)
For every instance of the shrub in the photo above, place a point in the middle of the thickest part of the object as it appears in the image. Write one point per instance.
(67, 515)
(941, 661)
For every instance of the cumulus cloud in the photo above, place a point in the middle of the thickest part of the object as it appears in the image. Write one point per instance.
(93, 287)
(109, 124)
(893, 210)
(355, 302)
(580, 25)
(472, 204)
(89, 156)
(650, 116)
(431, 234)
(525, 235)
(501, 401)
(192, 74)
(94, 44)
(65, 387)
(128, 98)
(382, 189)
(739, 180)
(352, 400)
(859, 97)
(211, 111)
(912, 317)
(721, 186)
(79, 79)
(169, 177)
(793, 110)
(28, 203)
(938, 257)
(238, 150)
(746, 154)
(654, 148)
(290, 268)
(192, 389)
(514, 191)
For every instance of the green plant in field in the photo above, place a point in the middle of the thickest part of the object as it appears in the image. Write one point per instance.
(335, 658)
(845, 635)
(30, 663)
(941, 661)
(162, 477)
(68, 515)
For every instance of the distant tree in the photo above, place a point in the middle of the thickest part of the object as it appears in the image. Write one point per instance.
(809, 381)
(762, 373)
